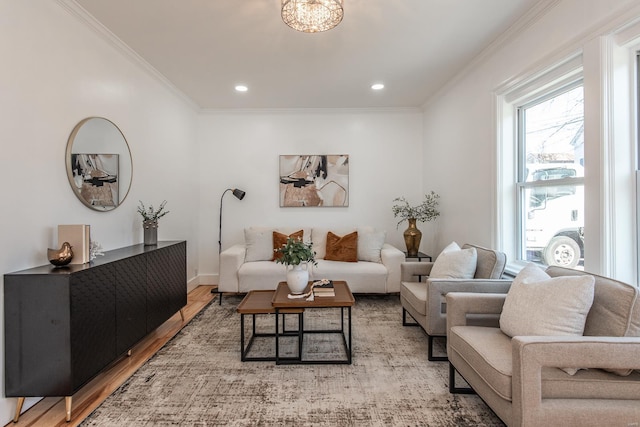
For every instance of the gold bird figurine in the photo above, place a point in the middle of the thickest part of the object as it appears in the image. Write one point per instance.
(62, 256)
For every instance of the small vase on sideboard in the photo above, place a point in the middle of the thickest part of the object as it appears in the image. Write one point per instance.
(150, 232)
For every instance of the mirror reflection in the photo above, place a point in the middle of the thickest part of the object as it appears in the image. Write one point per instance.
(98, 163)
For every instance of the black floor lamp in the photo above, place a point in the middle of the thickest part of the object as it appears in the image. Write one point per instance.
(239, 195)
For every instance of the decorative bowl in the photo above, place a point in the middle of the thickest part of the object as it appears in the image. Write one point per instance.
(60, 257)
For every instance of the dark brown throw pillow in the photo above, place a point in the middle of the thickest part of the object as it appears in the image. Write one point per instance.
(280, 239)
(343, 248)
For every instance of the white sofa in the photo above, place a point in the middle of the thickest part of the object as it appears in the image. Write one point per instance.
(249, 266)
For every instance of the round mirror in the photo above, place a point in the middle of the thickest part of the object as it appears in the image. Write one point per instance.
(99, 164)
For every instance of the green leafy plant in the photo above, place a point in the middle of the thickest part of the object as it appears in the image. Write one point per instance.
(150, 214)
(296, 251)
(425, 211)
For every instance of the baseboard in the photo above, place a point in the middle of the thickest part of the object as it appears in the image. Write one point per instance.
(203, 279)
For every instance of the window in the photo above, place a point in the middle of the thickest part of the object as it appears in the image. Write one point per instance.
(550, 178)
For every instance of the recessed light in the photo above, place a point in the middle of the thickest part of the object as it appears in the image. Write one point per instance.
(241, 88)
(377, 86)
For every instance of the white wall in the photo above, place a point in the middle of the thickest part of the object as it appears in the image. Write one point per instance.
(240, 150)
(55, 72)
(459, 123)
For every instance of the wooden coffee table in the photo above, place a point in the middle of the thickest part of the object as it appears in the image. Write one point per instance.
(258, 302)
(343, 299)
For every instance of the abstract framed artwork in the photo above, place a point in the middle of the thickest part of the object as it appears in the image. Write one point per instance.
(96, 179)
(314, 180)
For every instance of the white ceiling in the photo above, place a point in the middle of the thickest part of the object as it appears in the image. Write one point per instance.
(206, 47)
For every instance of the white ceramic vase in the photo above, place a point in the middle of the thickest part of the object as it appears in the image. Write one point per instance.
(297, 279)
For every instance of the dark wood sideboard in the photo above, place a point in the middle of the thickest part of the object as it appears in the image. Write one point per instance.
(64, 325)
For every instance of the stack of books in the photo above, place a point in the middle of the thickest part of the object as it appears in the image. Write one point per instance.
(324, 290)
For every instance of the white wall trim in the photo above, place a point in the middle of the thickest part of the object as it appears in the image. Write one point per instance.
(78, 12)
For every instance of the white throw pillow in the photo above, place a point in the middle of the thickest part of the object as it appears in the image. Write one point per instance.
(370, 244)
(259, 244)
(540, 305)
(455, 263)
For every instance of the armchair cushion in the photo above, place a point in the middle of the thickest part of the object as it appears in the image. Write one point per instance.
(455, 263)
(537, 304)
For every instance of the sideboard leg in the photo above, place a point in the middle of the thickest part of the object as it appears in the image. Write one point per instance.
(67, 405)
(18, 409)
(182, 314)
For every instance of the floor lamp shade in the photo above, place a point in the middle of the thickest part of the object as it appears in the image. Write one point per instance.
(239, 194)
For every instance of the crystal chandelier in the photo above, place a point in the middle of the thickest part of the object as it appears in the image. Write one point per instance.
(312, 16)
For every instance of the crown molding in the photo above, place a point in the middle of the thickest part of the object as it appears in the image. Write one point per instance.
(277, 111)
(78, 12)
(532, 16)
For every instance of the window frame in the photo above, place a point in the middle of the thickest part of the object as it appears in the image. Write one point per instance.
(561, 86)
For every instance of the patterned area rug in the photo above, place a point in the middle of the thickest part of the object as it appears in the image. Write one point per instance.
(197, 379)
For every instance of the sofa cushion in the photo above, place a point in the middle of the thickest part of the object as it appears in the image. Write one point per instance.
(455, 263)
(319, 237)
(488, 352)
(342, 248)
(415, 293)
(490, 264)
(370, 244)
(361, 276)
(537, 304)
(259, 241)
(615, 311)
(588, 384)
(280, 239)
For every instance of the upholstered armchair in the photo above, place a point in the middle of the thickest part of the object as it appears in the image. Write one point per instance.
(587, 379)
(425, 301)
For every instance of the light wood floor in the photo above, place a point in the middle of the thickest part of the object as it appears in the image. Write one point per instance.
(50, 411)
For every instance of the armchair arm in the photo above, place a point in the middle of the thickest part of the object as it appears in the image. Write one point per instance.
(230, 261)
(460, 304)
(437, 290)
(392, 257)
(531, 354)
(410, 270)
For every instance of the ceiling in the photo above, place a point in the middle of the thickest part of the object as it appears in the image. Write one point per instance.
(206, 47)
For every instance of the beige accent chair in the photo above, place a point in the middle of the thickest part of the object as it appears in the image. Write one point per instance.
(519, 377)
(425, 301)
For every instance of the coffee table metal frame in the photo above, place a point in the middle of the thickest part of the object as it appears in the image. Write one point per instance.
(258, 302)
(343, 299)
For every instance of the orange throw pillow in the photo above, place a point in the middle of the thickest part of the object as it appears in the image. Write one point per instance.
(280, 239)
(343, 248)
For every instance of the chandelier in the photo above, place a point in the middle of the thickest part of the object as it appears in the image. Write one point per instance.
(312, 16)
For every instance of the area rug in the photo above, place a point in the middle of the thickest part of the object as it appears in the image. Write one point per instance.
(197, 379)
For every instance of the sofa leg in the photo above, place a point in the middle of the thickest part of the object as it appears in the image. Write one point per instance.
(404, 319)
(219, 298)
(452, 383)
(430, 355)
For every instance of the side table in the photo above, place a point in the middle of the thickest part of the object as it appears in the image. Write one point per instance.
(419, 257)
(259, 302)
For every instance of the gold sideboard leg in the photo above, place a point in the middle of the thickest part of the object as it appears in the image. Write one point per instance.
(18, 409)
(67, 406)
(182, 314)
